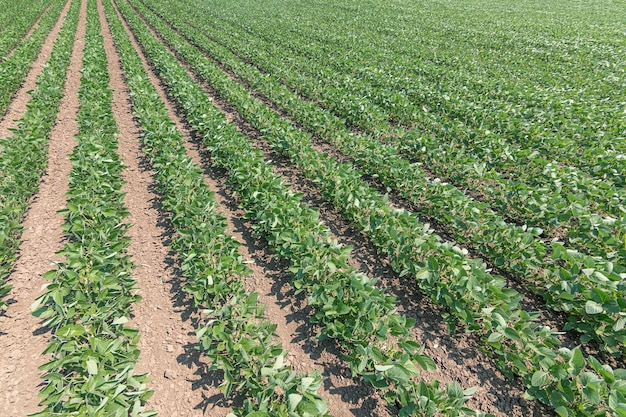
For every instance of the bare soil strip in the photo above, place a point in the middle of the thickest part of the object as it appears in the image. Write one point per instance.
(457, 355)
(22, 340)
(18, 106)
(167, 333)
(343, 396)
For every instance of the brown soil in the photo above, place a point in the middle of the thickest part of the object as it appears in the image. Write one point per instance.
(163, 317)
(22, 340)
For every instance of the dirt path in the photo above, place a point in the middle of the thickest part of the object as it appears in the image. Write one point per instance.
(262, 280)
(22, 340)
(18, 106)
(167, 333)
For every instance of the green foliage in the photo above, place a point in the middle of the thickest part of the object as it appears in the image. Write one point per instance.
(90, 298)
(473, 296)
(347, 306)
(23, 157)
(519, 250)
(13, 69)
(550, 207)
(16, 21)
(235, 336)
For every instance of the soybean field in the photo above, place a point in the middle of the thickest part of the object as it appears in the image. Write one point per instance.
(313, 208)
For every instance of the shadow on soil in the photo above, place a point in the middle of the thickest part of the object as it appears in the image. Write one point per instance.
(326, 353)
(192, 358)
(464, 349)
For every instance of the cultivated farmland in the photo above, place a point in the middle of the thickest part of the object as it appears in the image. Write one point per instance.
(324, 208)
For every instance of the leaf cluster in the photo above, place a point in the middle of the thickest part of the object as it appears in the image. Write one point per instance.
(16, 22)
(13, 69)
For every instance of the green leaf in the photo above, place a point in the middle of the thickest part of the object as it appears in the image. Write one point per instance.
(280, 362)
(539, 379)
(591, 394)
(71, 330)
(92, 366)
(310, 409)
(495, 337)
(512, 334)
(50, 274)
(306, 383)
(562, 411)
(577, 361)
(591, 307)
(426, 362)
(293, 400)
(399, 374)
(433, 265)
(619, 324)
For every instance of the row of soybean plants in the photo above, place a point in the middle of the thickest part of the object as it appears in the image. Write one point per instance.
(470, 77)
(13, 69)
(562, 202)
(361, 49)
(519, 182)
(16, 20)
(568, 280)
(93, 353)
(24, 154)
(235, 335)
(561, 377)
(533, 202)
(439, 36)
(346, 305)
